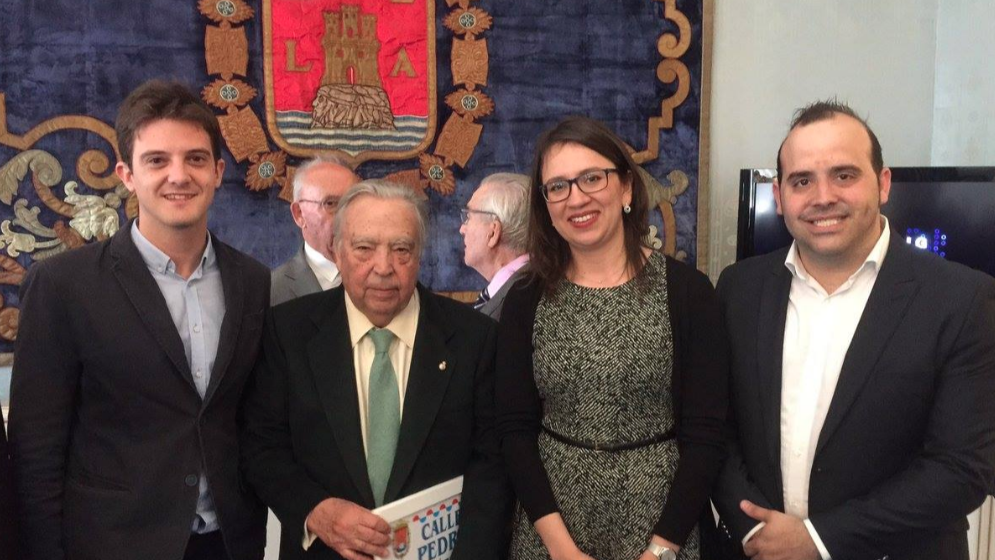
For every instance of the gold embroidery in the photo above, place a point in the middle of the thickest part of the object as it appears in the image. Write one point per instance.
(226, 50)
(671, 47)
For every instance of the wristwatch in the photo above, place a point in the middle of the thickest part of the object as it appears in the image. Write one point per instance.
(661, 552)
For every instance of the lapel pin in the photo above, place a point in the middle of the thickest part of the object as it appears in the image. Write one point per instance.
(442, 365)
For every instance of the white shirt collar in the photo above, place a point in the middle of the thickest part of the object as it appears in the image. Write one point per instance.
(404, 325)
(873, 261)
(326, 270)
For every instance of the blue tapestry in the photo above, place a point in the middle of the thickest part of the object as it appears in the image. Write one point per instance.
(65, 66)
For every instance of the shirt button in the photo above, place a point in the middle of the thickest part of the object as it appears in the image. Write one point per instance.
(198, 374)
(191, 480)
(196, 328)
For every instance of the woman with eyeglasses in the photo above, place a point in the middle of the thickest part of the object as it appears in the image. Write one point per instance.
(611, 373)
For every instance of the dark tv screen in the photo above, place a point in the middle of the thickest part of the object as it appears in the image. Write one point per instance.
(947, 210)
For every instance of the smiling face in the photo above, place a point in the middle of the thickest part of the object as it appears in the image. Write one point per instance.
(587, 222)
(829, 194)
(378, 256)
(174, 176)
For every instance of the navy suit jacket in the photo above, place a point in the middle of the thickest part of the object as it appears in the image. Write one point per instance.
(303, 444)
(108, 433)
(908, 445)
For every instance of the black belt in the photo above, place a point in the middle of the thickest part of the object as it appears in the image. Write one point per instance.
(660, 438)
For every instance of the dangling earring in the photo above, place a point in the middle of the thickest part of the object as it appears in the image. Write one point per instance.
(627, 209)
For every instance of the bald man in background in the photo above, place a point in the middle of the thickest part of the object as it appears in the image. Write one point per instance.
(318, 186)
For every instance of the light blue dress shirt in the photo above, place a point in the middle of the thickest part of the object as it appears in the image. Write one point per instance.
(197, 306)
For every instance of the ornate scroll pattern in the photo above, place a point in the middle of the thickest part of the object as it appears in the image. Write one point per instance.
(671, 47)
(91, 216)
(664, 198)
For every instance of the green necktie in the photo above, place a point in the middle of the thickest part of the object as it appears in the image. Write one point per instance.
(384, 414)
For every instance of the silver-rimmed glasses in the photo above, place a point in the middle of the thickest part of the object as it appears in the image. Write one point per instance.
(464, 214)
(588, 182)
(329, 205)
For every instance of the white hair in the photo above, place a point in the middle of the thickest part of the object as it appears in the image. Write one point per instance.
(507, 199)
(302, 171)
(384, 190)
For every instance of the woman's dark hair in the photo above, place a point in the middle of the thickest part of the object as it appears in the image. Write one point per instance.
(549, 254)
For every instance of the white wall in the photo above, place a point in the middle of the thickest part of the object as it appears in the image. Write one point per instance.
(771, 57)
(964, 98)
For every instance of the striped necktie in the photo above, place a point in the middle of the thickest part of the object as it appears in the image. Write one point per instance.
(483, 298)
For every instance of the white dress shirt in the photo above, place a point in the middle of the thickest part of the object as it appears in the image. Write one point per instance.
(324, 270)
(818, 329)
(404, 326)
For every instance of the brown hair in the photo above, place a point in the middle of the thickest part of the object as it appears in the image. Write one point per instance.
(549, 254)
(156, 100)
(823, 111)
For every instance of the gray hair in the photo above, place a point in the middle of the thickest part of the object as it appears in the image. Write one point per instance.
(507, 199)
(314, 162)
(383, 190)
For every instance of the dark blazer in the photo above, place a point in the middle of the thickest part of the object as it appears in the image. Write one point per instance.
(908, 445)
(8, 528)
(108, 433)
(293, 279)
(492, 307)
(302, 441)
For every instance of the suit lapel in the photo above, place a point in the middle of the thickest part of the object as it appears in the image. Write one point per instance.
(302, 278)
(427, 382)
(331, 361)
(491, 307)
(770, 353)
(231, 284)
(142, 291)
(893, 290)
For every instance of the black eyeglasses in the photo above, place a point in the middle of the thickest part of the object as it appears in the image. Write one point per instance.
(588, 182)
(464, 214)
(329, 205)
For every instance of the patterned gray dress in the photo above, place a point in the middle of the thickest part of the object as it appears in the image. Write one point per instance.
(602, 364)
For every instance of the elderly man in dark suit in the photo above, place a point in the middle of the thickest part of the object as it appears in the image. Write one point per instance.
(863, 370)
(494, 231)
(130, 362)
(318, 186)
(372, 391)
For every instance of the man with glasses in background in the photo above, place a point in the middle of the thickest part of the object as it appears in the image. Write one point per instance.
(494, 232)
(318, 186)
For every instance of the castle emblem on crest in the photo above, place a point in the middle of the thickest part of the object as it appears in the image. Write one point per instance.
(357, 78)
(402, 539)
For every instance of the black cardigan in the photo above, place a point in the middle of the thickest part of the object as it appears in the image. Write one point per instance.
(699, 383)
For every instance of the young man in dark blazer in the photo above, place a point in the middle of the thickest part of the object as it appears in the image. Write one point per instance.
(130, 362)
(373, 391)
(862, 370)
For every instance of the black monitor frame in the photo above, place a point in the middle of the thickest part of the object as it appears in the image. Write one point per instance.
(749, 179)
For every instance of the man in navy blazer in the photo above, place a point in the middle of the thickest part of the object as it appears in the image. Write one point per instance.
(130, 361)
(863, 370)
(311, 449)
